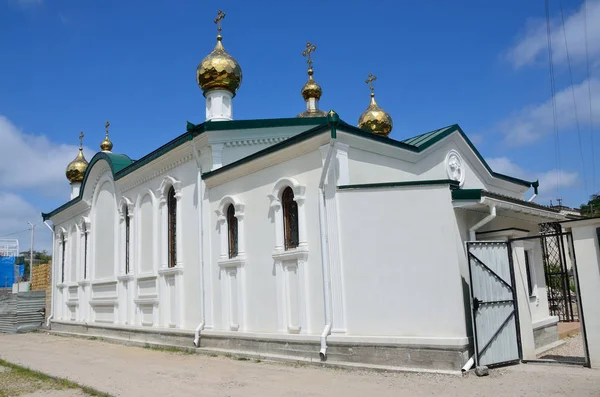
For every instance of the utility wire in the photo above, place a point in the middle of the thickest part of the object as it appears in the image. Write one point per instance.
(553, 94)
(562, 16)
(20, 231)
(587, 58)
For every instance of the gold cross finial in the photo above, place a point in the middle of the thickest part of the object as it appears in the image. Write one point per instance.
(218, 19)
(81, 140)
(370, 81)
(106, 126)
(310, 48)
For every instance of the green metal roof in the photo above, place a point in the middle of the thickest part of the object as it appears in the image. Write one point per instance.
(477, 194)
(122, 165)
(423, 139)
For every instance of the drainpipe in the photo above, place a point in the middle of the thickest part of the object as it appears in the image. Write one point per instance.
(333, 120)
(482, 222)
(535, 186)
(52, 278)
(200, 326)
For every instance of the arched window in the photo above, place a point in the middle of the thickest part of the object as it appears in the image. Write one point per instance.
(85, 239)
(172, 226)
(232, 228)
(62, 266)
(290, 218)
(126, 213)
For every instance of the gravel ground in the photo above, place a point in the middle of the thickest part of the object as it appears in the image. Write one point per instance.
(572, 350)
(131, 371)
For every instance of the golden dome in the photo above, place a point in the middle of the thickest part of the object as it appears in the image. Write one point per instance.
(106, 145)
(76, 168)
(311, 89)
(375, 119)
(219, 70)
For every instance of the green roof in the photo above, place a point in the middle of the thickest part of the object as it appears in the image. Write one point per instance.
(117, 162)
(423, 139)
(121, 165)
(477, 194)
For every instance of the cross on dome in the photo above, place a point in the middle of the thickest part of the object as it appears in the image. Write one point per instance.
(218, 19)
(370, 81)
(310, 48)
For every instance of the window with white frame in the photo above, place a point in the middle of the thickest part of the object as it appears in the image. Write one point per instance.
(287, 204)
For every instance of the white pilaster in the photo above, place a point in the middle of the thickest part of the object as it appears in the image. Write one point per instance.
(333, 244)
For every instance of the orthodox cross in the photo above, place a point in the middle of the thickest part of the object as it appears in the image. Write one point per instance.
(370, 81)
(218, 19)
(106, 126)
(81, 140)
(310, 48)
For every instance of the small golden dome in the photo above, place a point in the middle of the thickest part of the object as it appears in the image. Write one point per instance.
(375, 119)
(76, 168)
(106, 145)
(311, 89)
(219, 70)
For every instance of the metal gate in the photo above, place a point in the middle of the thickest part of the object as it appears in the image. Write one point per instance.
(558, 269)
(494, 306)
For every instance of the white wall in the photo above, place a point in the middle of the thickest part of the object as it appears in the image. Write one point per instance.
(104, 225)
(258, 277)
(400, 267)
(370, 167)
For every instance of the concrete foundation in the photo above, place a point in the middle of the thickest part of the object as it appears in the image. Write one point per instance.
(282, 347)
(545, 335)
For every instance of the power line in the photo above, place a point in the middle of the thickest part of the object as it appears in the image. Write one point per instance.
(19, 231)
(574, 101)
(589, 75)
(553, 94)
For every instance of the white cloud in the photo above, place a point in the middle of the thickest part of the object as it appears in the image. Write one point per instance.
(15, 212)
(33, 162)
(550, 181)
(532, 47)
(534, 122)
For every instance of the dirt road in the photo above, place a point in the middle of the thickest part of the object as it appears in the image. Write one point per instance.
(133, 371)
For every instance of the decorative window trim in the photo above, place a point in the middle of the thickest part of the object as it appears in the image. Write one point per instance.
(164, 187)
(130, 208)
(276, 206)
(162, 196)
(224, 232)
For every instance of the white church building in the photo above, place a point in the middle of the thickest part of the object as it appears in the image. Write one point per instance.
(303, 237)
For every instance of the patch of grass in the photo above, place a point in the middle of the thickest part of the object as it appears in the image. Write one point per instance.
(213, 355)
(94, 338)
(167, 349)
(243, 359)
(228, 355)
(24, 380)
(258, 361)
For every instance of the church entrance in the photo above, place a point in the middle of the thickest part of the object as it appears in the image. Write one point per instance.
(561, 285)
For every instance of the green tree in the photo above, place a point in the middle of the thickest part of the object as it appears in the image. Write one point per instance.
(592, 208)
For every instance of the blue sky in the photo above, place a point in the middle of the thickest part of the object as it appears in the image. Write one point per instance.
(68, 66)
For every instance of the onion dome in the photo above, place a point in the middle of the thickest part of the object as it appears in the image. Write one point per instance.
(76, 168)
(311, 92)
(375, 119)
(219, 70)
(106, 145)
